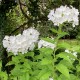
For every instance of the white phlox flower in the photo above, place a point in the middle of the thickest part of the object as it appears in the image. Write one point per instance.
(46, 44)
(50, 78)
(75, 54)
(63, 14)
(71, 52)
(21, 42)
(6, 41)
(67, 51)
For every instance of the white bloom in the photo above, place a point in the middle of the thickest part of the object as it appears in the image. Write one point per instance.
(43, 43)
(6, 37)
(12, 39)
(63, 14)
(71, 52)
(28, 13)
(21, 43)
(67, 51)
(50, 78)
(75, 54)
(6, 41)
(32, 46)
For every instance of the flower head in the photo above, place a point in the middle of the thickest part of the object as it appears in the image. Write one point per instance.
(21, 42)
(63, 14)
(74, 53)
(46, 44)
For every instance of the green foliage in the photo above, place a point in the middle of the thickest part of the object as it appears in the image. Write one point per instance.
(63, 69)
(45, 64)
(3, 75)
(48, 39)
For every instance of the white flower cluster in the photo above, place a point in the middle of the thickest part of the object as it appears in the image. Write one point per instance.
(46, 44)
(63, 14)
(74, 53)
(21, 42)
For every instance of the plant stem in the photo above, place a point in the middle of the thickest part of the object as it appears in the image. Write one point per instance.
(54, 70)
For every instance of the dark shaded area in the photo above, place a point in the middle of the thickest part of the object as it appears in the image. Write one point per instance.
(6, 5)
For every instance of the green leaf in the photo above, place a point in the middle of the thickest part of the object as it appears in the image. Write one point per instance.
(17, 71)
(48, 40)
(16, 59)
(50, 67)
(12, 77)
(63, 45)
(0, 64)
(10, 54)
(27, 65)
(46, 61)
(71, 56)
(40, 56)
(67, 64)
(24, 76)
(3, 76)
(73, 77)
(63, 69)
(62, 77)
(44, 74)
(46, 51)
(27, 76)
(64, 56)
(31, 54)
(10, 63)
(62, 34)
(36, 72)
(78, 68)
(33, 78)
(55, 31)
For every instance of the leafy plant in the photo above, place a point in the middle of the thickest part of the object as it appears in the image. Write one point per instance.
(47, 63)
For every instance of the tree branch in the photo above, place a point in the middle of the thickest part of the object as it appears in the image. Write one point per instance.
(25, 15)
(18, 28)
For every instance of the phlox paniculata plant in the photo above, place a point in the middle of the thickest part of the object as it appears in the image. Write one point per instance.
(44, 62)
(25, 42)
(65, 59)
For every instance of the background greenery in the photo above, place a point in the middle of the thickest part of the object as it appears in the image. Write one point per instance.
(17, 15)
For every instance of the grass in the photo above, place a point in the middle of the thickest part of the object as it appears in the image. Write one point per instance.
(71, 41)
(74, 44)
